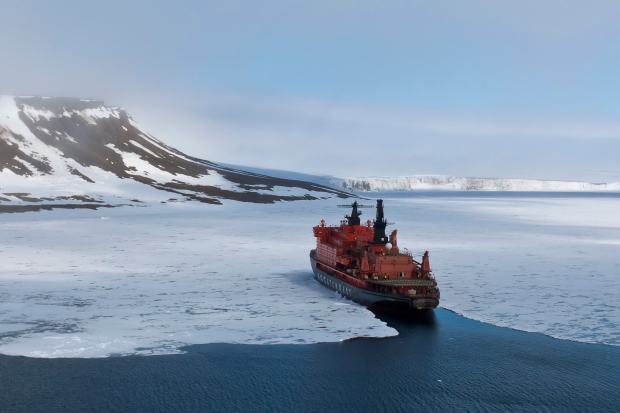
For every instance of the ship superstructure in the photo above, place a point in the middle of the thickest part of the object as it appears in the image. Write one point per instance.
(364, 264)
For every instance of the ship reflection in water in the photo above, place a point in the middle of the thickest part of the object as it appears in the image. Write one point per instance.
(404, 321)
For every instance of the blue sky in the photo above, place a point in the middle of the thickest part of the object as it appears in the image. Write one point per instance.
(223, 79)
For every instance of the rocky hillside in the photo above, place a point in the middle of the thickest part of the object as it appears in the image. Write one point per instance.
(63, 151)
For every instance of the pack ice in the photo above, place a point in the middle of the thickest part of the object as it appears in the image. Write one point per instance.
(545, 263)
(151, 280)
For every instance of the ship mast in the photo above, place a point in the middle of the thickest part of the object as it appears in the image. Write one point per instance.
(354, 218)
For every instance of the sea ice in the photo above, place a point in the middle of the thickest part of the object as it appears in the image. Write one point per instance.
(154, 278)
(548, 264)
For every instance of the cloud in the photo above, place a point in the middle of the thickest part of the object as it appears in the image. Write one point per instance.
(481, 88)
(527, 55)
(347, 139)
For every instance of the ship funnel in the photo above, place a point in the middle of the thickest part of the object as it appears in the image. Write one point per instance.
(379, 225)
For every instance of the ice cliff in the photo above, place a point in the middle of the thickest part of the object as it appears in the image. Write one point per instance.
(422, 182)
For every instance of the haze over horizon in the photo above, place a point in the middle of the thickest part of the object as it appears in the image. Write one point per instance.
(523, 90)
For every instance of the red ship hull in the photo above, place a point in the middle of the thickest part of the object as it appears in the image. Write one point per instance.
(363, 264)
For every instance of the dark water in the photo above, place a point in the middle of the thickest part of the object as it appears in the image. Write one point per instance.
(440, 362)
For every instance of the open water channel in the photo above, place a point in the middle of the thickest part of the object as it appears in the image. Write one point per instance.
(439, 362)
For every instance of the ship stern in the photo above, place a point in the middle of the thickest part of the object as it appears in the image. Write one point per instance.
(423, 303)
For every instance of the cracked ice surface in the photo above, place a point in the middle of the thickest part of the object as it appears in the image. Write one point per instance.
(548, 264)
(150, 280)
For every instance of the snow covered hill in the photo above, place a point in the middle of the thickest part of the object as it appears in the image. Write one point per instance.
(64, 152)
(421, 182)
